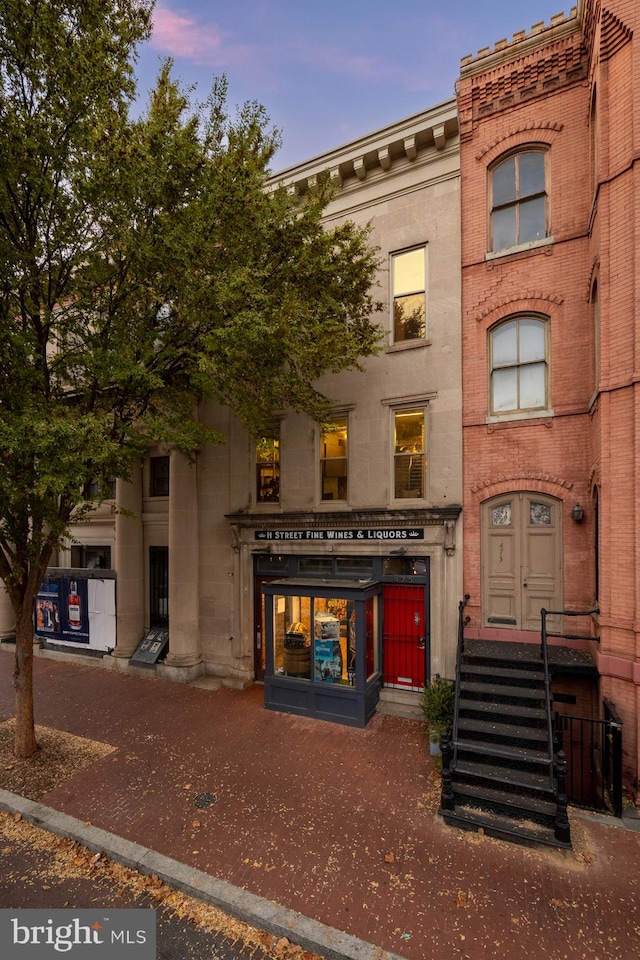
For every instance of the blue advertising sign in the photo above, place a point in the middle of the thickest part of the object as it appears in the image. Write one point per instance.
(47, 610)
(62, 610)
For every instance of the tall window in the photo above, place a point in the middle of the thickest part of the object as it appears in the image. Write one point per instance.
(519, 200)
(159, 476)
(268, 468)
(518, 357)
(409, 455)
(333, 460)
(409, 295)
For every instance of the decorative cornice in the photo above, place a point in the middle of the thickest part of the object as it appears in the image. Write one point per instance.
(406, 142)
(522, 42)
(307, 520)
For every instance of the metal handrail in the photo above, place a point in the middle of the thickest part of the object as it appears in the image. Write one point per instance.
(462, 622)
(544, 652)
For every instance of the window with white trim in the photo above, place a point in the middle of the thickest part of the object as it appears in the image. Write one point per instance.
(518, 357)
(519, 211)
(409, 454)
(408, 282)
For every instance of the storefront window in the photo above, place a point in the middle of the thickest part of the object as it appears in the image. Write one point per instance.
(316, 565)
(314, 638)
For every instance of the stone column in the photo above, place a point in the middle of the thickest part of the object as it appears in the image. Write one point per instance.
(129, 565)
(7, 616)
(184, 593)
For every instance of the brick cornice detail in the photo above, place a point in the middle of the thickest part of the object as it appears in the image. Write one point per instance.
(614, 34)
(523, 300)
(506, 85)
(540, 127)
(538, 482)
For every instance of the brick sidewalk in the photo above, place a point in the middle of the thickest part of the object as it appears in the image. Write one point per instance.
(334, 822)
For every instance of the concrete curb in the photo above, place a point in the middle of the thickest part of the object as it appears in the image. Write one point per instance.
(256, 911)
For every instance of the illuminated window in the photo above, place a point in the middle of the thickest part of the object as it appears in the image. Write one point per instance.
(268, 468)
(409, 295)
(518, 358)
(333, 460)
(519, 200)
(409, 457)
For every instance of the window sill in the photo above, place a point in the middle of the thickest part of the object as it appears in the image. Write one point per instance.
(407, 345)
(520, 248)
(520, 415)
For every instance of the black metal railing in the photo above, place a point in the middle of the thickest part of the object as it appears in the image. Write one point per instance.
(593, 748)
(462, 622)
(544, 652)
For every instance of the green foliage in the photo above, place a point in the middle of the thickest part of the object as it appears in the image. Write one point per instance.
(437, 703)
(145, 265)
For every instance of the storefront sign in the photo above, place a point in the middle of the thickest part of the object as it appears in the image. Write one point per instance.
(375, 533)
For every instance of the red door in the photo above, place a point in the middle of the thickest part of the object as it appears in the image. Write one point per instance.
(404, 636)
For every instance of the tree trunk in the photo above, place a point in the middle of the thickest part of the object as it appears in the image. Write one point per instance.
(25, 744)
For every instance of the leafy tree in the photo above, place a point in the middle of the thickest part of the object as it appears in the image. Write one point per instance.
(145, 263)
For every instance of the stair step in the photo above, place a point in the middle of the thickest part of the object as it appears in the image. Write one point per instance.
(503, 751)
(469, 725)
(503, 673)
(512, 710)
(533, 780)
(529, 834)
(501, 690)
(519, 804)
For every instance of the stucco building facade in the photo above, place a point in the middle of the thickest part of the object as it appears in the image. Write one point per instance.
(374, 498)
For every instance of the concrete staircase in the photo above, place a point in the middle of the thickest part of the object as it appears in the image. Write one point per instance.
(500, 776)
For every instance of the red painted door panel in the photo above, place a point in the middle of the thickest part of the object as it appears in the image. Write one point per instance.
(403, 636)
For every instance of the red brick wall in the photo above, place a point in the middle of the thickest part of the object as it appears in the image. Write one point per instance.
(542, 94)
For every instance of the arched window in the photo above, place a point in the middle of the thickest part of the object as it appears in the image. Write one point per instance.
(518, 357)
(519, 200)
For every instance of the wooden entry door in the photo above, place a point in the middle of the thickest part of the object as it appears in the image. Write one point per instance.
(521, 559)
(404, 636)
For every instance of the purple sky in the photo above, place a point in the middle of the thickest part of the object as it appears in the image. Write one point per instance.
(328, 72)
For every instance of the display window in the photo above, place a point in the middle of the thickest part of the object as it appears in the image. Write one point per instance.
(314, 638)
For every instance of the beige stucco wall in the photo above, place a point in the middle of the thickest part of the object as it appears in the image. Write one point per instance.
(404, 180)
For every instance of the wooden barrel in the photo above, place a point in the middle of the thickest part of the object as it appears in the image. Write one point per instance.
(297, 662)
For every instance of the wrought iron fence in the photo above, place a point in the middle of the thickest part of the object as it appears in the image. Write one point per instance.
(593, 748)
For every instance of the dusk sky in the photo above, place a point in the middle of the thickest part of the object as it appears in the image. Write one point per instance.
(333, 71)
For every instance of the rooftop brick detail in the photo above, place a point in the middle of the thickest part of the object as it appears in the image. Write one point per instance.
(540, 32)
(614, 35)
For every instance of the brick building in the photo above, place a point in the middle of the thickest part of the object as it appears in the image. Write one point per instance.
(550, 198)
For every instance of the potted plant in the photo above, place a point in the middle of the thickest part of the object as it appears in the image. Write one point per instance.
(437, 704)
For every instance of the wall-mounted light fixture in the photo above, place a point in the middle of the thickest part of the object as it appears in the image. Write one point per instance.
(577, 513)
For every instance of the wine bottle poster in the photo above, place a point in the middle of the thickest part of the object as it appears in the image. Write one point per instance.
(74, 609)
